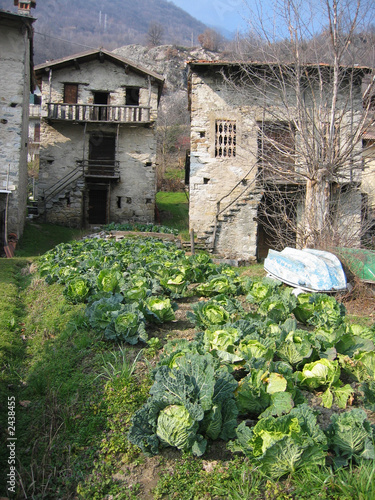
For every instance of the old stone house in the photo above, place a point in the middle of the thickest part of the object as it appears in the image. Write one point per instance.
(368, 175)
(16, 67)
(97, 139)
(239, 128)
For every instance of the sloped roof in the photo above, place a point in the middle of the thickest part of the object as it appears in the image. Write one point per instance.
(98, 54)
(260, 64)
(201, 63)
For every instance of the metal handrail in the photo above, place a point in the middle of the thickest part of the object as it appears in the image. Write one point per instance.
(62, 184)
(232, 202)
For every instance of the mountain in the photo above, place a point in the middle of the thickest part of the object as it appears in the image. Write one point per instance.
(64, 27)
(167, 60)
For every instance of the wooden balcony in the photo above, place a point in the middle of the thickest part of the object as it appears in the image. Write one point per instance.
(34, 110)
(98, 113)
(100, 169)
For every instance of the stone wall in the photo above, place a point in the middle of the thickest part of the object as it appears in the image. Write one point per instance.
(132, 197)
(14, 99)
(216, 182)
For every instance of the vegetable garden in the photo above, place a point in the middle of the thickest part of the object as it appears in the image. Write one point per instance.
(284, 384)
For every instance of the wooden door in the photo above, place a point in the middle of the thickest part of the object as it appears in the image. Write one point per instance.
(70, 93)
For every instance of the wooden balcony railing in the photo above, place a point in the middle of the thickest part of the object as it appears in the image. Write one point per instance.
(98, 113)
(104, 169)
(34, 110)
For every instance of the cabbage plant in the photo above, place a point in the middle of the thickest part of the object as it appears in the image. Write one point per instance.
(325, 373)
(351, 436)
(77, 290)
(159, 310)
(282, 445)
(189, 403)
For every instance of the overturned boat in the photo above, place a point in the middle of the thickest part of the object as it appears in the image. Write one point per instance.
(308, 269)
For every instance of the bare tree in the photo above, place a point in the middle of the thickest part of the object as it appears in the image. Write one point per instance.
(311, 121)
(172, 140)
(210, 40)
(155, 34)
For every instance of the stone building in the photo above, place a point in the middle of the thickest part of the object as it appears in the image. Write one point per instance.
(16, 67)
(240, 127)
(97, 139)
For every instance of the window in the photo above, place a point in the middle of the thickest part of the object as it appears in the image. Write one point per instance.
(132, 96)
(70, 93)
(225, 138)
(37, 132)
(276, 147)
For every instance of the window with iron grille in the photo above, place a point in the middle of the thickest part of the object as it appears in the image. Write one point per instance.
(225, 138)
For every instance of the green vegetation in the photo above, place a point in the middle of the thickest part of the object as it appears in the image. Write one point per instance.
(38, 238)
(174, 211)
(80, 390)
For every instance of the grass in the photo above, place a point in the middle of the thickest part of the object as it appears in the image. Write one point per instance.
(76, 395)
(38, 238)
(174, 211)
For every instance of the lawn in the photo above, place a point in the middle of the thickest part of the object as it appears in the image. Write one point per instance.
(173, 209)
(76, 391)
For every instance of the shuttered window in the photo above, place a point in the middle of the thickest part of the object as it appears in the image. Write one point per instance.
(70, 93)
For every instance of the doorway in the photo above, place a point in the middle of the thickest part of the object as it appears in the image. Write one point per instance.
(102, 154)
(277, 219)
(98, 205)
(101, 111)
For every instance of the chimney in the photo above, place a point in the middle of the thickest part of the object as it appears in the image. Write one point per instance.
(25, 6)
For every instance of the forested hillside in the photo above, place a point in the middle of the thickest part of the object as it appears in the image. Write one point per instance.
(108, 24)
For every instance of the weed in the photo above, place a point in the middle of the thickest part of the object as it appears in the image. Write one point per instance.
(355, 482)
(245, 484)
(122, 398)
(119, 366)
(154, 344)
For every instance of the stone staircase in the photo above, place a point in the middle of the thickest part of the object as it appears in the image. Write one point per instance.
(249, 200)
(66, 190)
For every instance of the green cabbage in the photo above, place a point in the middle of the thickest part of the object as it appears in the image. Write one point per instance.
(261, 290)
(351, 436)
(77, 290)
(319, 373)
(320, 310)
(283, 444)
(222, 343)
(188, 404)
(158, 310)
(109, 280)
(296, 347)
(217, 311)
(175, 427)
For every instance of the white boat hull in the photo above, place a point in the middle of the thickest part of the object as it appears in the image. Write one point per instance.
(308, 269)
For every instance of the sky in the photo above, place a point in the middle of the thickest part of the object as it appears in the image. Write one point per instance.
(229, 15)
